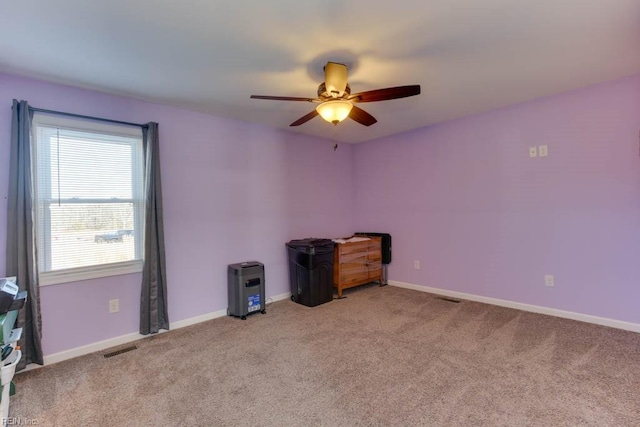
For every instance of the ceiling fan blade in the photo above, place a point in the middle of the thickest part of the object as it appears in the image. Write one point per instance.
(335, 79)
(386, 94)
(304, 119)
(284, 98)
(361, 116)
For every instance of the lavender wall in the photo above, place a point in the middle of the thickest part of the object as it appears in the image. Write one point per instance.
(465, 199)
(232, 192)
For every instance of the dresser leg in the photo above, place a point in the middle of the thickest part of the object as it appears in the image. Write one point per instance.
(383, 275)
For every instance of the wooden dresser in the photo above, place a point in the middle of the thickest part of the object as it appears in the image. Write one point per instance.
(356, 263)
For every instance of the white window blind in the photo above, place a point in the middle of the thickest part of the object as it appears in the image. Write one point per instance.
(89, 194)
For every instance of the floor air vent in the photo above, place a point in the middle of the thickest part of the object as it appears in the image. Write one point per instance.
(122, 350)
(455, 301)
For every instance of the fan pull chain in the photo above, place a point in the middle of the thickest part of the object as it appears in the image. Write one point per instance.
(334, 138)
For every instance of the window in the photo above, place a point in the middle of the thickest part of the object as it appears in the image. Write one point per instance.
(88, 198)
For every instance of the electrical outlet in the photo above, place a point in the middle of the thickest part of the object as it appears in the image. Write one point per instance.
(533, 151)
(114, 305)
(549, 280)
(543, 150)
(416, 265)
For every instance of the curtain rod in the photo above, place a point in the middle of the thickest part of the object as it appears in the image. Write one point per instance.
(80, 116)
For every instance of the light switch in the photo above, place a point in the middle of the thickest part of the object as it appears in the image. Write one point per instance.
(543, 151)
(114, 305)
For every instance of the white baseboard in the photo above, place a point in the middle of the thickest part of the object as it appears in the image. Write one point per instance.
(618, 324)
(124, 339)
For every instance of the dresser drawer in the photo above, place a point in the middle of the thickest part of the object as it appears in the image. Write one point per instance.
(374, 271)
(354, 248)
(355, 275)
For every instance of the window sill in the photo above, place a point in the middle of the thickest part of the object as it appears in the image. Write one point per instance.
(86, 273)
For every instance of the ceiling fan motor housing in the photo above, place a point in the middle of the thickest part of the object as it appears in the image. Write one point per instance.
(335, 77)
(325, 95)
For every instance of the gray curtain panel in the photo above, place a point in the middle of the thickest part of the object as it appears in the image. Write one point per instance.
(21, 254)
(153, 299)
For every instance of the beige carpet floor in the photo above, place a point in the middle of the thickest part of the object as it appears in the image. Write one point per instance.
(382, 356)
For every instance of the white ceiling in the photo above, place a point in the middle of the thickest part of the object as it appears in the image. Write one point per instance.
(469, 56)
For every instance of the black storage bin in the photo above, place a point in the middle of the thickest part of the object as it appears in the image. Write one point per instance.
(311, 271)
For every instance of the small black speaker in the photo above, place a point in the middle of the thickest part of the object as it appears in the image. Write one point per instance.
(386, 245)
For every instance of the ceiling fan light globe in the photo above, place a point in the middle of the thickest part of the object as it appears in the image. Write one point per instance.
(334, 111)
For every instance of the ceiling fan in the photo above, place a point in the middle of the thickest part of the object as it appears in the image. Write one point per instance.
(335, 100)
